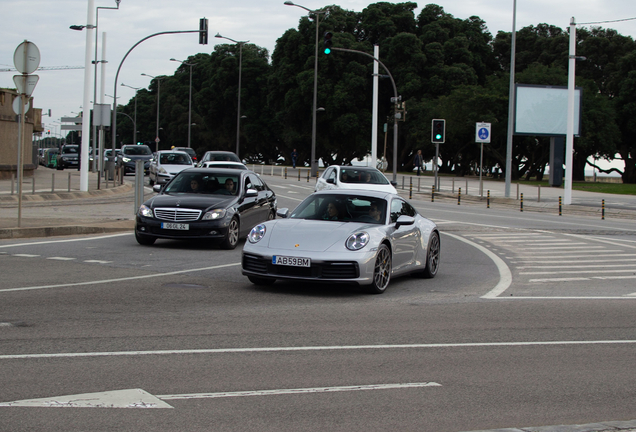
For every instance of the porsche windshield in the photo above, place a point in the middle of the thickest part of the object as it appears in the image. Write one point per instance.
(342, 208)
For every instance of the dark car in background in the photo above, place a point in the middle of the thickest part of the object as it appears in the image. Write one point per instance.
(68, 157)
(130, 154)
(218, 205)
(188, 150)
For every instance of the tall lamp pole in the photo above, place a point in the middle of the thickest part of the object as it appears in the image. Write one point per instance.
(136, 89)
(314, 162)
(238, 111)
(158, 100)
(189, 97)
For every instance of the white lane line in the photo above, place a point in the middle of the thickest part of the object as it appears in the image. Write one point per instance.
(572, 266)
(594, 261)
(583, 279)
(318, 348)
(505, 275)
(66, 241)
(576, 271)
(107, 281)
(590, 248)
(25, 255)
(97, 261)
(296, 391)
(595, 253)
(539, 242)
(61, 258)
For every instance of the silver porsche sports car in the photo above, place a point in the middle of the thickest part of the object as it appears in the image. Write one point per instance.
(343, 236)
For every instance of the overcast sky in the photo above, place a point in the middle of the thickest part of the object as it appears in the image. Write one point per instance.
(46, 23)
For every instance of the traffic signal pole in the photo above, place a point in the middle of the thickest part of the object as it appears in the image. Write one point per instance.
(394, 99)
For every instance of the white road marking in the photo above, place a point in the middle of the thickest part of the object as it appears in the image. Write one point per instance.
(25, 255)
(107, 281)
(590, 248)
(61, 258)
(315, 348)
(132, 398)
(297, 391)
(97, 261)
(587, 254)
(66, 240)
(577, 272)
(505, 276)
(594, 261)
(572, 266)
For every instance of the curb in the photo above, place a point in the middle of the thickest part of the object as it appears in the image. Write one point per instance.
(65, 195)
(100, 227)
(608, 426)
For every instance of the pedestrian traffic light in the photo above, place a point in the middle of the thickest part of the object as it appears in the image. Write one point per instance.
(203, 31)
(438, 131)
(328, 42)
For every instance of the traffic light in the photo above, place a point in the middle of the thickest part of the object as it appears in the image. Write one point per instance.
(328, 42)
(438, 131)
(203, 31)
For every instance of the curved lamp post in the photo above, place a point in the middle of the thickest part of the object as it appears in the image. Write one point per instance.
(314, 162)
(238, 112)
(189, 97)
(158, 100)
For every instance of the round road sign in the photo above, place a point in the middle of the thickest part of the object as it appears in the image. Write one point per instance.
(26, 57)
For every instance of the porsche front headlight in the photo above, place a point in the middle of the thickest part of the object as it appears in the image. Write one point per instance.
(215, 214)
(257, 233)
(357, 241)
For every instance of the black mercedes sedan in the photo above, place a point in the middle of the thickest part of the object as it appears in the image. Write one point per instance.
(204, 203)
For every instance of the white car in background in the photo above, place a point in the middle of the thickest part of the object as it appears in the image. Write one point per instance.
(354, 177)
(224, 164)
(165, 164)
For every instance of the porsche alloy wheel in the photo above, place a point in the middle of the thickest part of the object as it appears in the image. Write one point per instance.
(432, 256)
(382, 271)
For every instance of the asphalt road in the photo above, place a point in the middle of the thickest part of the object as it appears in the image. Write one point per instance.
(529, 322)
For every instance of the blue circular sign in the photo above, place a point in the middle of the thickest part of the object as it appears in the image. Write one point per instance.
(483, 133)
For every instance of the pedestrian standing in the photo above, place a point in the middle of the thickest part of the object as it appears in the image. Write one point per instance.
(294, 156)
(418, 162)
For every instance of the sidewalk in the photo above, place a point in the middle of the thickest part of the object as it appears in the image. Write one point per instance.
(53, 205)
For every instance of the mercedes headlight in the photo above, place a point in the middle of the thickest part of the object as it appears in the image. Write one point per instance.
(215, 214)
(357, 241)
(125, 159)
(145, 211)
(257, 233)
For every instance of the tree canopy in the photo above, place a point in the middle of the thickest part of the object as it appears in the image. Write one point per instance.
(444, 67)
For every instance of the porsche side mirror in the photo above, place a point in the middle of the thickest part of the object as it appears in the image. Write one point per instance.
(404, 220)
(282, 213)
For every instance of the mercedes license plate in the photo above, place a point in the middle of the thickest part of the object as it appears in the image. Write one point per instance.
(291, 261)
(175, 226)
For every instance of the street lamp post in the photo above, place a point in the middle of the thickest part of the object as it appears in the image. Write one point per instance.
(189, 97)
(314, 162)
(136, 89)
(158, 101)
(238, 111)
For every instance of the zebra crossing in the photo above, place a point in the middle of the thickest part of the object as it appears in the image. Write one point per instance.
(554, 264)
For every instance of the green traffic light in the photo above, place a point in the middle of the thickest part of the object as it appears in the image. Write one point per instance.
(438, 136)
(327, 51)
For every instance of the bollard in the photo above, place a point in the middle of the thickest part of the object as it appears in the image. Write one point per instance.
(488, 199)
(69, 182)
(459, 196)
(418, 184)
(603, 210)
(411, 189)
(307, 176)
(402, 182)
(453, 189)
(52, 182)
(539, 193)
(285, 173)
(298, 174)
(522, 202)
(433, 193)
(466, 191)
(517, 190)
(33, 185)
(560, 207)
(12, 183)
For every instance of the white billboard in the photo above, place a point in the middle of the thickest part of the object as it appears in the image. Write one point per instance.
(542, 110)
